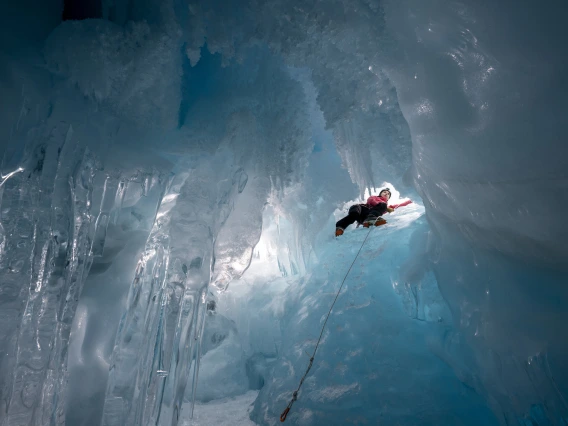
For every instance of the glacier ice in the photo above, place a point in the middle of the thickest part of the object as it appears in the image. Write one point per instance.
(171, 174)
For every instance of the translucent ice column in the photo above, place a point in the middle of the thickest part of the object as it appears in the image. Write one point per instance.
(48, 224)
(159, 335)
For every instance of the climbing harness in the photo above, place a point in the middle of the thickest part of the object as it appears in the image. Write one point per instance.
(295, 394)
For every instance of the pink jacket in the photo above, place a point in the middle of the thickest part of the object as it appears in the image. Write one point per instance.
(373, 200)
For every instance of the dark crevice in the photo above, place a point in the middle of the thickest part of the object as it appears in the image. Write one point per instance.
(82, 9)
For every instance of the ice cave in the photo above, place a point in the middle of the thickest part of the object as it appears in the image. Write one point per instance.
(171, 176)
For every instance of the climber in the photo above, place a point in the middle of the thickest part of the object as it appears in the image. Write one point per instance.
(370, 213)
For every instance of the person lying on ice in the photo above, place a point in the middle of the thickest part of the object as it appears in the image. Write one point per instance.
(370, 213)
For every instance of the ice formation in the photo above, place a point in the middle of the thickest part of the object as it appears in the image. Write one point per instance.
(171, 175)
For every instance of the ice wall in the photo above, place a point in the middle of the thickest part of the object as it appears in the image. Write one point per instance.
(155, 135)
(485, 125)
(378, 355)
(479, 85)
(102, 95)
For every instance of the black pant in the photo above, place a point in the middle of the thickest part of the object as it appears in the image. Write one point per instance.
(360, 212)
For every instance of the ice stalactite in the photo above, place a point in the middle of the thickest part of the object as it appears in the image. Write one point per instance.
(49, 225)
(54, 217)
(158, 341)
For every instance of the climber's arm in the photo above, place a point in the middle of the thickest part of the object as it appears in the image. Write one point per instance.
(393, 207)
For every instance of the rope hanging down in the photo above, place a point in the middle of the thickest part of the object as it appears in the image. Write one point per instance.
(295, 394)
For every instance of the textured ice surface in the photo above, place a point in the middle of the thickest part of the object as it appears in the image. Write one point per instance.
(381, 348)
(147, 150)
(224, 412)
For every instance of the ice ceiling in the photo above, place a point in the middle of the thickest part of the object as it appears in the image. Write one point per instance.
(171, 174)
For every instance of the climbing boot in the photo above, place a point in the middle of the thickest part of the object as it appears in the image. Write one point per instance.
(338, 231)
(377, 221)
